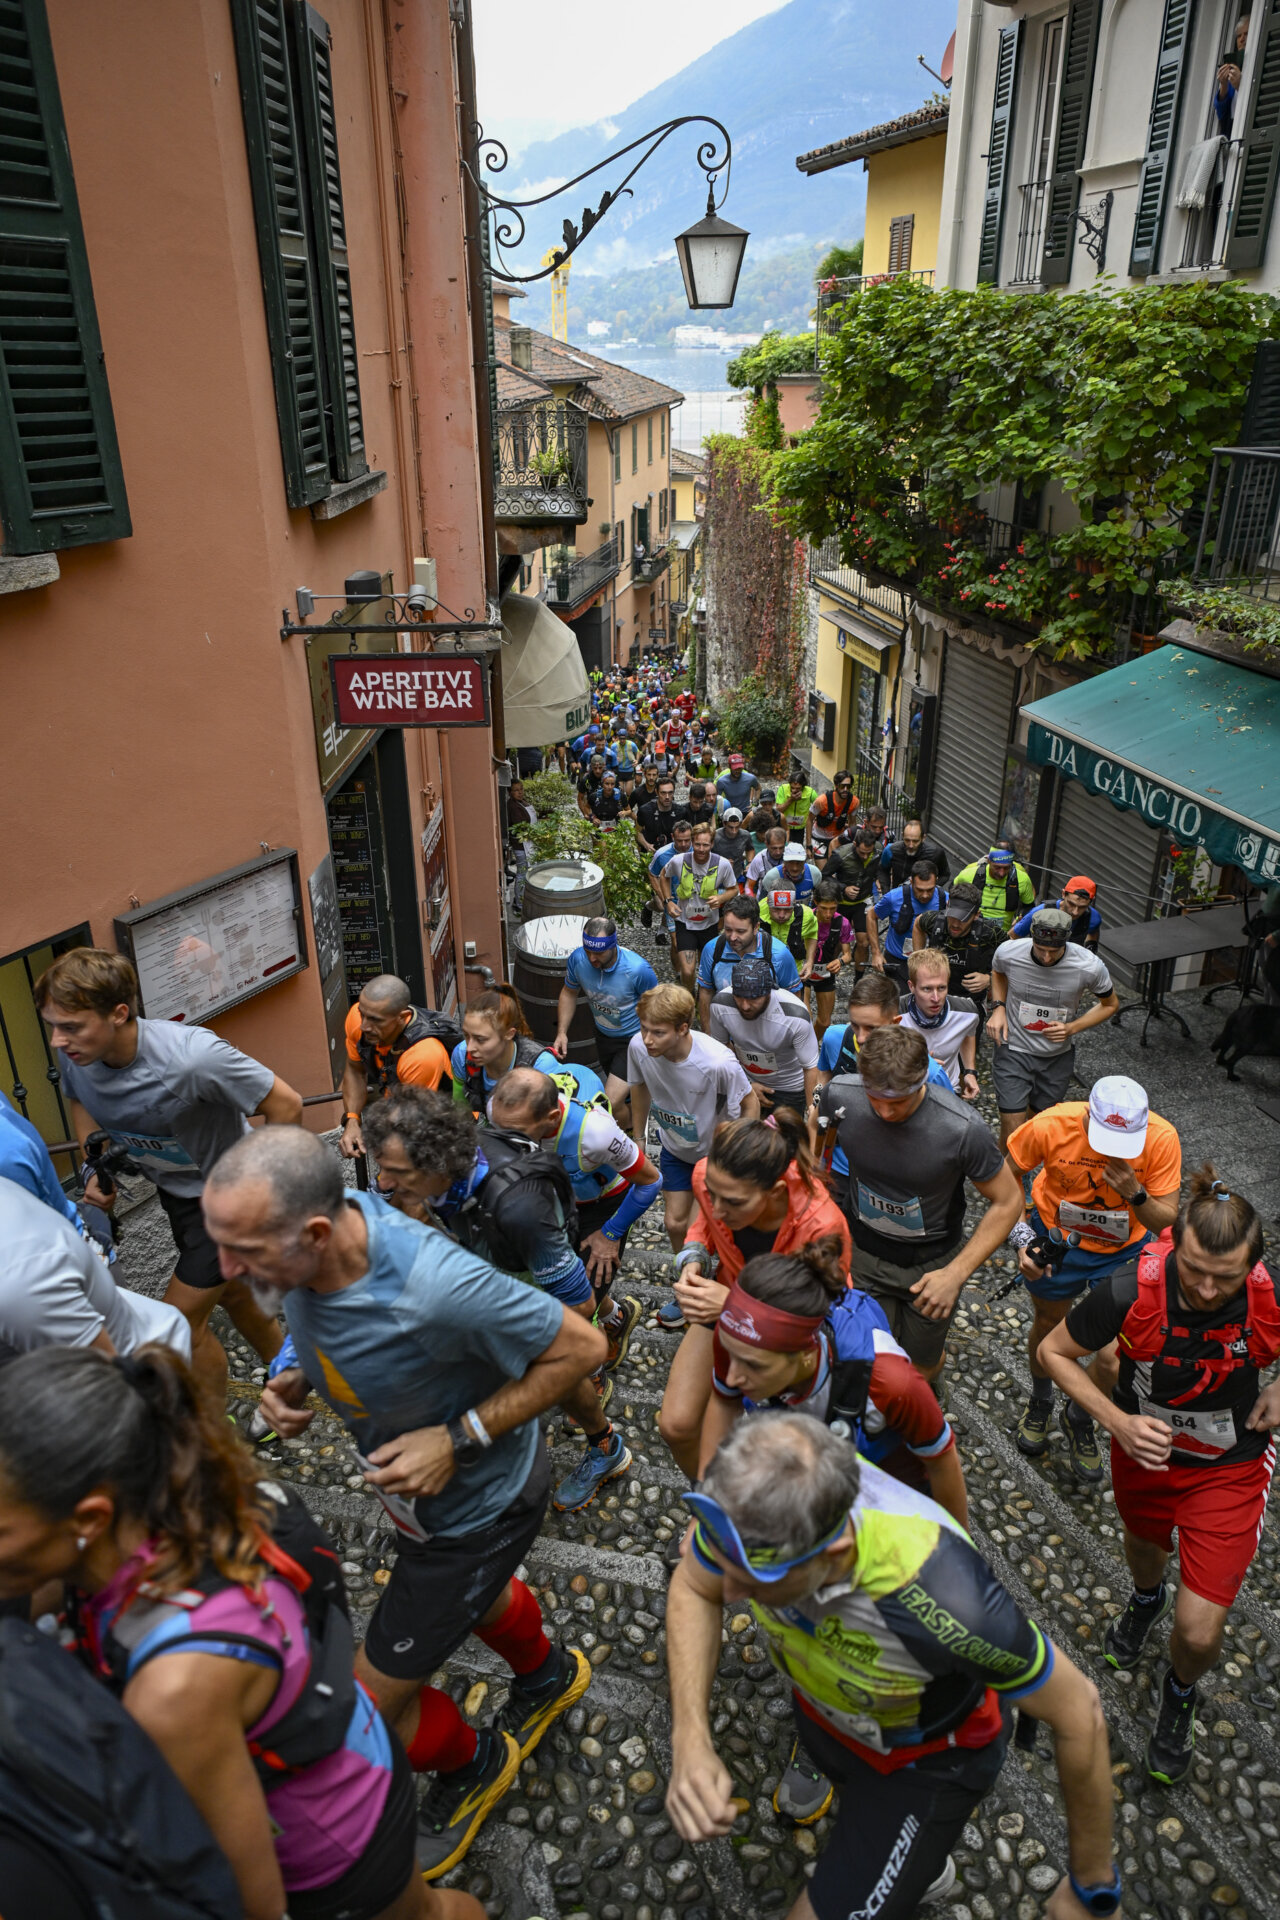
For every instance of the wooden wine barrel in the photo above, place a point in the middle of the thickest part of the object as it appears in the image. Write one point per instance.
(540, 951)
(563, 887)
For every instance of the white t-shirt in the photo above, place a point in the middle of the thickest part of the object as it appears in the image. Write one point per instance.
(1039, 995)
(717, 875)
(602, 1143)
(944, 1041)
(689, 1097)
(775, 1049)
(56, 1289)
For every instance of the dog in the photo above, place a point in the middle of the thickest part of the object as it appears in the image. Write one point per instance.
(1251, 1029)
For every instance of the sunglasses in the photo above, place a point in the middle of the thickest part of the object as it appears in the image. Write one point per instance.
(717, 1534)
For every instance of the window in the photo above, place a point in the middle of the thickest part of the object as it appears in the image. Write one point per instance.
(673, 504)
(662, 511)
(900, 232)
(649, 424)
(61, 482)
(617, 454)
(1047, 99)
(635, 446)
(1035, 190)
(662, 435)
(28, 1070)
(286, 87)
(620, 531)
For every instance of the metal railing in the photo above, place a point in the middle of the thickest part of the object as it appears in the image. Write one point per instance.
(1239, 541)
(885, 605)
(573, 579)
(1208, 228)
(875, 788)
(540, 463)
(832, 294)
(1028, 260)
(648, 565)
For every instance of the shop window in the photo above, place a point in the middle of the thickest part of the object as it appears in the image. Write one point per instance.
(28, 1068)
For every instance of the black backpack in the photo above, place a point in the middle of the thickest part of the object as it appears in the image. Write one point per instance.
(910, 910)
(488, 1223)
(81, 1781)
(426, 1024)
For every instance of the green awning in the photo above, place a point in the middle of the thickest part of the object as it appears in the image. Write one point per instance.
(1190, 742)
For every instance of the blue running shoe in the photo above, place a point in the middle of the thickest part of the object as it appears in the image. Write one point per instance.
(671, 1316)
(596, 1465)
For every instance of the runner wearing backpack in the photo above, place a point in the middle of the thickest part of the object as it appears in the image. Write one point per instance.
(215, 1612)
(390, 1042)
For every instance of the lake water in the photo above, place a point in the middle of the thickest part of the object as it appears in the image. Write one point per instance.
(711, 405)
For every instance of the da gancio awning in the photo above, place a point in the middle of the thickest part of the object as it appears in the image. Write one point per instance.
(1190, 742)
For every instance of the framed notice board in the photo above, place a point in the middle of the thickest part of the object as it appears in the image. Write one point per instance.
(206, 948)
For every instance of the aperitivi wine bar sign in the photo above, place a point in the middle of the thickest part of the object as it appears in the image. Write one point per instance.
(410, 689)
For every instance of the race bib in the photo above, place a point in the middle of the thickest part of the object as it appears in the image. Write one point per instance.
(606, 1009)
(682, 1125)
(697, 913)
(757, 1060)
(398, 1508)
(1097, 1223)
(159, 1150)
(901, 1219)
(1204, 1434)
(1033, 1018)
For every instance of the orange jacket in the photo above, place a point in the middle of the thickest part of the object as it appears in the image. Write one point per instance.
(809, 1217)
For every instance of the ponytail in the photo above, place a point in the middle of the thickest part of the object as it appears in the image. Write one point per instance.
(1220, 1219)
(499, 1005)
(760, 1151)
(72, 1420)
(806, 1282)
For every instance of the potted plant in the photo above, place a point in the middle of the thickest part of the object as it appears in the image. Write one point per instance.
(551, 464)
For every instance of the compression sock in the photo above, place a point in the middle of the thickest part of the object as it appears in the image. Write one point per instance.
(443, 1742)
(1176, 1687)
(1149, 1596)
(1041, 1391)
(517, 1636)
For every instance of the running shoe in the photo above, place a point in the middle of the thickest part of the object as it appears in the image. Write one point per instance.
(939, 1889)
(459, 1802)
(671, 1316)
(259, 1431)
(1126, 1636)
(595, 1465)
(1172, 1746)
(527, 1715)
(619, 1334)
(803, 1794)
(1032, 1433)
(1082, 1444)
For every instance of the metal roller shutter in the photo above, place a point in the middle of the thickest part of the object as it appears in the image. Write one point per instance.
(973, 739)
(1114, 847)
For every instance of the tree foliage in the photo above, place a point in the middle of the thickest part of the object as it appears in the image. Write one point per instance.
(932, 400)
(774, 353)
(841, 263)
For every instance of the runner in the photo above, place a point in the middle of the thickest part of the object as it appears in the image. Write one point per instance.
(496, 1038)
(738, 787)
(1036, 988)
(793, 871)
(696, 885)
(796, 926)
(438, 1365)
(1110, 1174)
(702, 805)
(853, 869)
(613, 979)
(211, 1631)
(795, 801)
(769, 856)
(390, 1042)
(950, 1028)
(831, 815)
(742, 938)
(608, 804)
(874, 1002)
(759, 1190)
(771, 1033)
(1077, 898)
(589, 782)
(1004, 888)
(681, 842)
(1197, 1319)
(898, 858)
(910, 1148)
(656, 818)
(26, 1160)
(174, 1097)
(732, 844)
(904, 1652)
(834, 951)
(900, 908)
(968, 941)
(688, 1082)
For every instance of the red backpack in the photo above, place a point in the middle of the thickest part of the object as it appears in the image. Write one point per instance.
(1149, 1335)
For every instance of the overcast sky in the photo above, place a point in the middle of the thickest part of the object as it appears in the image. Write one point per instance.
(569, 66)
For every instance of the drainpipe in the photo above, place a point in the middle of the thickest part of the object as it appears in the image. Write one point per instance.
(972, 37)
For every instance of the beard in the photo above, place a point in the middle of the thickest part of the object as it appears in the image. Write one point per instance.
(268, 1299)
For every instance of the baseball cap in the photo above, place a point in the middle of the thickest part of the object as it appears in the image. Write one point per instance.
(736, 761)
(1051, 927)
(793, 851)
(751, 978)
(732, 813)
(1080, 883)
(964, 901)
(782, 902)
(1118, 1117)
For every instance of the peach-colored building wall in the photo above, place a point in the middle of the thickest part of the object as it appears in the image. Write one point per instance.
(797, 401)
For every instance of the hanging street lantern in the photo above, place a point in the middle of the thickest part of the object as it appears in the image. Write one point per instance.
(710, 256)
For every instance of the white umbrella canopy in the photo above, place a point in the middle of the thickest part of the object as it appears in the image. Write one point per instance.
(545, 692)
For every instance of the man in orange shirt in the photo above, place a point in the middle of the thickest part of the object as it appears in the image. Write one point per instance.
(1109, 1176)
(390, 1042)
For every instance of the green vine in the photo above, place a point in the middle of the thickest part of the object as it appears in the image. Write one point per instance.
(1110, 401)
(1253, 624)
(562, 831)
(774, 353)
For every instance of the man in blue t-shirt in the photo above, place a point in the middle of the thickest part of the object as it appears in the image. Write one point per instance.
(613, 978)
(438, 1365)
(873, 1002)
(898, 910)
(739, 788)
(741, 938)
(1077, 898)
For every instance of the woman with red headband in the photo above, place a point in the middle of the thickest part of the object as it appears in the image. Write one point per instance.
(759, 1190)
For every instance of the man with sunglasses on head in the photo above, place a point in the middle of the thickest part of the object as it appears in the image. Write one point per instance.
(904, 1652)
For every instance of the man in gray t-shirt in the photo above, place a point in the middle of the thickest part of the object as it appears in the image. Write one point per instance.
(56, 1290)
(1037, 985)
(911, 1146)
(175, 1098)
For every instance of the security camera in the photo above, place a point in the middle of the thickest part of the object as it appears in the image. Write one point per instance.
(306, 602)
(418, 603)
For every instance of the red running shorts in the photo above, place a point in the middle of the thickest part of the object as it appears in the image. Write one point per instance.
(1218, 1512)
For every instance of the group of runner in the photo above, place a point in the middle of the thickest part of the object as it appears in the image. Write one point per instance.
(815, 1178)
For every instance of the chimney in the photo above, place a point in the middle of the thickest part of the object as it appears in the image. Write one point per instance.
(522, 348)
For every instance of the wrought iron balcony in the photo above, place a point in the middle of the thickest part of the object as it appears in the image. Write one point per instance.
(540, 464)
(647, 566)
(832, 294)
(884, 606)
(1239, 542)
(573, 578)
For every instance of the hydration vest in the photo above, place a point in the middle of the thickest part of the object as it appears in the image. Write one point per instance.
(1012, 895)
(910, 910)
(588, 1183)
(1150, 1335)
(707, 888)
(381, 1076)
(850, 1327)
(527, 1051)
(847, 1058)
(831, 815)
(487, 1221)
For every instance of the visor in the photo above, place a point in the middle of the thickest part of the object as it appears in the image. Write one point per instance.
(717, 1533)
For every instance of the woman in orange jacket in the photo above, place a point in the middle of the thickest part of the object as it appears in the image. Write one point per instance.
(759, 1190)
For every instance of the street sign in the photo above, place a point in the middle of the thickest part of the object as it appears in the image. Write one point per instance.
(410, 689)
(657, 633)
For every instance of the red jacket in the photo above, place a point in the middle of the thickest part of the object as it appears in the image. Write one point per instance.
(809, 1217)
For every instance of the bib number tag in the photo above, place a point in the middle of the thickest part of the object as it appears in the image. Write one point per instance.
(1034, 1019)
(1098, 1223)
(1204, 1434)
(682, 1125)
(901, 1219)
(160, 1150)
(758, 1060)
(398, 1508)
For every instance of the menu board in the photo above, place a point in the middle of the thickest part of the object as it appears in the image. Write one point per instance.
(352, 837)
(207, 948)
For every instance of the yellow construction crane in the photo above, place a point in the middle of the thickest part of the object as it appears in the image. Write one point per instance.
(559, 295)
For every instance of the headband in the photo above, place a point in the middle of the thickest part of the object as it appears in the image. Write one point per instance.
(599, 942)
(892, 1093)
(772, 1328)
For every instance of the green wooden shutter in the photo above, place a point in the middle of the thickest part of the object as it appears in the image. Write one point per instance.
(61, 482)
(284, 246)
(1074, 95)
(1162, 134)
(998, 151)
(333, 273)
(1260, 153)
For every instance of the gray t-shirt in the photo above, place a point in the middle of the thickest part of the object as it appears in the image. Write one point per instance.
(178, 1105)
(775, 1049)
(1039, 995)
(906, 1178)
(56, 1290)
(688, 1098)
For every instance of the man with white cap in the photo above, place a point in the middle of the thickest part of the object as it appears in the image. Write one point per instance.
(1037, 985)
(796, 872)
(771, 1032)
(1109, 1177)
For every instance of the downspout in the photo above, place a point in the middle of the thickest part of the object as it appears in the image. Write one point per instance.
(972, 37)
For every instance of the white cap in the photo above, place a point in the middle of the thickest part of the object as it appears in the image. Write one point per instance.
(793, 851)
(732, 813)
(1118, 1116)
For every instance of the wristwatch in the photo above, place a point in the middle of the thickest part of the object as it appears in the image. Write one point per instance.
(1102, 1899)
(467, 1449)
(1139, 1199)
